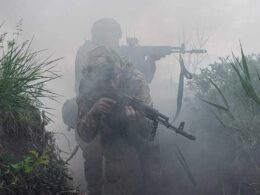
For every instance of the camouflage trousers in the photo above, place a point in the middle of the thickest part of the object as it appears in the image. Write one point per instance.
(117, 169)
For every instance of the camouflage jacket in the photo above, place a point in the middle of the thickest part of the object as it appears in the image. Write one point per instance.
(122, 167)
(89, 126)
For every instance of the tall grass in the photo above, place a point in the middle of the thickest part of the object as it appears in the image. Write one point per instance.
(231, 88)
(23, 85)
(23, 79)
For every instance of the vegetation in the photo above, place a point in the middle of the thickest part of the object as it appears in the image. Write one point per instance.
(30, 162)
(36, 173)
(231, 87)
(23, 80)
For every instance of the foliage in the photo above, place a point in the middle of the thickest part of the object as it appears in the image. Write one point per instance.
(23, 79)
(36, 173)
(231, 88)
(28, 164)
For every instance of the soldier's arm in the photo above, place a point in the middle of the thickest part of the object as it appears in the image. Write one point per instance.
(80, 61)
(142, 90)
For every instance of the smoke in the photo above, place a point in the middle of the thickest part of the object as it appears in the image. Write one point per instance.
(62, 26)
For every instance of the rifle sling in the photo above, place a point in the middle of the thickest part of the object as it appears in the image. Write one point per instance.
(183, 73)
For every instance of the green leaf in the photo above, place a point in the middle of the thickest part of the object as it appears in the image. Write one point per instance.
(218, 106)
(220, 92)
(244, 62)
(15, 167)
(34, 153)
(258, 76)
(28, 169)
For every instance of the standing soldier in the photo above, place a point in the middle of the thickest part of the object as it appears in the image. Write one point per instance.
(105, 32)
(131, 160)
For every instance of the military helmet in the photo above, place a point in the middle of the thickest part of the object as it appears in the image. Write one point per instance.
(107, 26)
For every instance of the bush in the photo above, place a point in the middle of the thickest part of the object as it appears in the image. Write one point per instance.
(231, 88)
(23, 79)
(30, 162)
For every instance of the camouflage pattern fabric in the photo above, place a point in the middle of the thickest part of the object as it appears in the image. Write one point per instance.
(131, 162)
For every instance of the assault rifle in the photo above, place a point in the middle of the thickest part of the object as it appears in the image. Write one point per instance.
(138, 53)
(89, 90)
(152, 114)
(132, 48)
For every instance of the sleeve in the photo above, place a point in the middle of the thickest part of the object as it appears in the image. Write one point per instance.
(81, 58)
(87, 123)
(142, 90)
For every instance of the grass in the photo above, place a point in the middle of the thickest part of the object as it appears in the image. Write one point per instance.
(23, 79)
(30, 163)
(242, 70)
(231, 88)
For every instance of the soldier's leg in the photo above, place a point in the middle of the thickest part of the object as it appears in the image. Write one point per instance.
(122, 169)
(151, 165)
(112, 170)
(93, 155)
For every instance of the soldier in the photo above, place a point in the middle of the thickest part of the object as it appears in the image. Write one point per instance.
(131, 161)
(105, 32)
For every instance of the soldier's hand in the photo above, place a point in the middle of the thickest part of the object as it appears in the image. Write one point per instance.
(103, 106)
(131, 113)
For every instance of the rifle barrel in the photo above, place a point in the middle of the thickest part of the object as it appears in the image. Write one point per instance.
(191, 51)
(178, 130)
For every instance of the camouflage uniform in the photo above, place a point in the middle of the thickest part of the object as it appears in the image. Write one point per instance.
(104, 32)
(131, 162)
